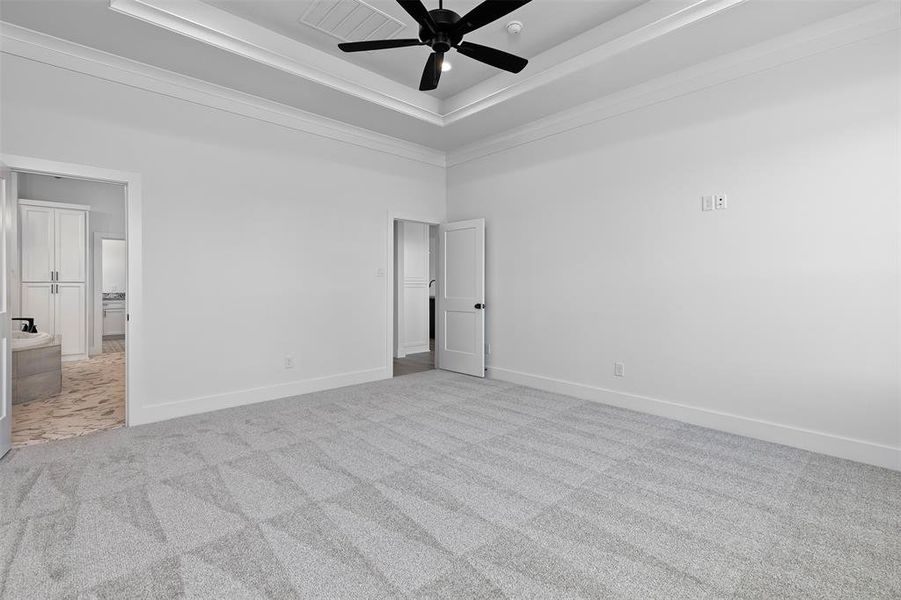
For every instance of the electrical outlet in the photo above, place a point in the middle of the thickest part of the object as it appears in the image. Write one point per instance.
(720, 202)
(619, 369)
(289, 361)
(706, 203)
(487, 349)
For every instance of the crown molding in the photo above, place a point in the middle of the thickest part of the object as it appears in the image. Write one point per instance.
(848, 28)
(643, 24)
(857, 25)
(216, 27)
(39, 47)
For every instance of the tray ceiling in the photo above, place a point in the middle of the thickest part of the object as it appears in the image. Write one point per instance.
(581, 52)
(322, 23)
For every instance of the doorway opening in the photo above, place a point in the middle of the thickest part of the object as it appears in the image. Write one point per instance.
(415, 285)
(68, 292)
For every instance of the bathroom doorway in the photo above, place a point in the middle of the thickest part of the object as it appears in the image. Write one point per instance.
(68, 298)
(415, 255)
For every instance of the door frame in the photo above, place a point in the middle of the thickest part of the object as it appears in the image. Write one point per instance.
(134, 275)
(389, 279)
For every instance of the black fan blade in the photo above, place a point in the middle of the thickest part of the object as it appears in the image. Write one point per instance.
(432, 72)
(416, 10)
(486, 12)
(377, 45)
(492, 56)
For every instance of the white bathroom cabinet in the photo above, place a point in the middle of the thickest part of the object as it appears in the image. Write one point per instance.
(54, 255)
(114, 318)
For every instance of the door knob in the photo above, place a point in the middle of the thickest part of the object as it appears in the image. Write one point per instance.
(480, 306)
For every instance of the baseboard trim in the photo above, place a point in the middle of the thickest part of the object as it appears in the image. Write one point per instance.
(806, 439)
(416, 349)
(142, 415)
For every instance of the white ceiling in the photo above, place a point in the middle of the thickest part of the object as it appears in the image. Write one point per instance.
(546, 23)
(580, 51)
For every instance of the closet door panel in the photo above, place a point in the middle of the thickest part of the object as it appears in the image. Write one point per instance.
(71, 244)
(71, 321)
(38, 303)
(36, 225)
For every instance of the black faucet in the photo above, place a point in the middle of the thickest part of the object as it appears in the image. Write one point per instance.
(28, 327)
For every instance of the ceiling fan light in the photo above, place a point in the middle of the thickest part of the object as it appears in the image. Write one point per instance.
(446, 66)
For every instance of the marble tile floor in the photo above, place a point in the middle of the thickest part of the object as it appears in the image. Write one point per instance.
(114, 343)
(93, 399)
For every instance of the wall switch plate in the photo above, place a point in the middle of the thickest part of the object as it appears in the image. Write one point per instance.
(289, 361)
(720, 202)
(380, 272)
(619, 369)
(487, 349)
(706, 203)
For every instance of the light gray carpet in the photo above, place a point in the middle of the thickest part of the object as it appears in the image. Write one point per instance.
(441, 486)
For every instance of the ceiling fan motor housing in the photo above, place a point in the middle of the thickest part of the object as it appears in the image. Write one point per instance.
(443, 40)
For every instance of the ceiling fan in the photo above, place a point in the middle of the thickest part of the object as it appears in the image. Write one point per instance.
(443, 29)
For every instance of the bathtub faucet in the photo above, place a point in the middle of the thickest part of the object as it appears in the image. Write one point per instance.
(28, 327)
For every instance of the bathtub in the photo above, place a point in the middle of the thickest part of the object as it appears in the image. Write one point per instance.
(37, 366)
(22, 340)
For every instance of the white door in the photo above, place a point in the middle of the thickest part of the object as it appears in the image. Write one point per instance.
(38, 242)
(461, 297)
(71, 242)
(38, 303)
(5, 341)
(70, 318)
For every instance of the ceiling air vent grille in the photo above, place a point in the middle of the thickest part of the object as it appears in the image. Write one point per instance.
(351, 20)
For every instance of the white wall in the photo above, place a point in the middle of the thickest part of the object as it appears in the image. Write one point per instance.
(107, 216)
(777, 318)
(114, 265)
(258, 241)
(107, 200)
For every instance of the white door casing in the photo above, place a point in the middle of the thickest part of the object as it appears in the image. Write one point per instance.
(461, 297)
(6, 217)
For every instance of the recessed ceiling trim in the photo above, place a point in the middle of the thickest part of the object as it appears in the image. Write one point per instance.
(861, 24)
(855, 26)
(43, 48)
(482, 96)
(216, 27)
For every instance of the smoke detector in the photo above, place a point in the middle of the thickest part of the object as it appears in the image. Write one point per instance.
(514, 27)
